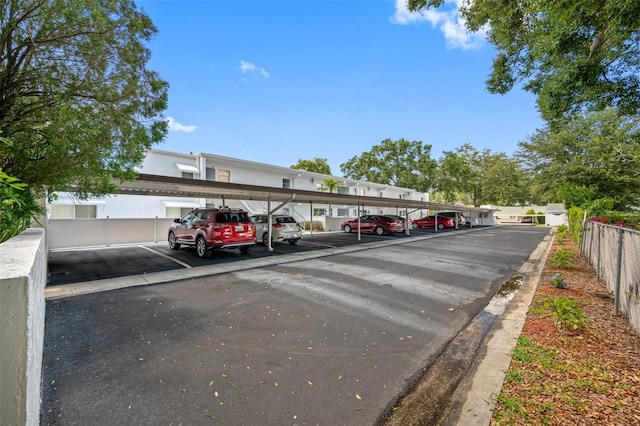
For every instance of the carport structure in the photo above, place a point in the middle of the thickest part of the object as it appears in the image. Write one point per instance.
(157, 185)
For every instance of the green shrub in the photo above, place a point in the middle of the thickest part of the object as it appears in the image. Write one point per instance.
(576, 216)
(17, 206)
(558, 281)
(317, 225)
(561, 233)
(568, 313)
(562, 258)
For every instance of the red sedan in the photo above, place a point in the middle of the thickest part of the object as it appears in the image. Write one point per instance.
(430, 222)
(378, 224)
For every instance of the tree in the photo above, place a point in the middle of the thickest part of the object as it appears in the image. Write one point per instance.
(330, 184)
(574, 55)
(317, 165)
(17, 206)
(402, 163)
(597, 155)
(481, 177)
(78, 103)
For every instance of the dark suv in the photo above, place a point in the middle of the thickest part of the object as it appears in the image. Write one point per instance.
(213, 229)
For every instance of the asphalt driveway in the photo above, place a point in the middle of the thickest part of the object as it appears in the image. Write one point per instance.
(330, 340)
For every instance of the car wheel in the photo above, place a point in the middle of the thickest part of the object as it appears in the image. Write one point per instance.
(380, 230)
(244, 249)
(441, 226)
(265, 239)
(173, 245)
(347, 229)
(201, 247)
(293, 242)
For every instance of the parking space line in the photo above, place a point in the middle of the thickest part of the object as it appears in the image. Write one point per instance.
(167, 257)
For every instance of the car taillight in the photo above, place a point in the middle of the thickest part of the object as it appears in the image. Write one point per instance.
(278, 225)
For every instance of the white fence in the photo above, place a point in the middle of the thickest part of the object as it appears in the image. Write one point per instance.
(615, 253)
(71, 233)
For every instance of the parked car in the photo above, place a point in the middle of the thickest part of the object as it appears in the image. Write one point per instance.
(462, 221)
(213, 229)
(379, 224)
(398, 218)
(284, 228)
(430, 222)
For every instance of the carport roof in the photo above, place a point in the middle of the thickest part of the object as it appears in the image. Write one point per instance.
(148, 184)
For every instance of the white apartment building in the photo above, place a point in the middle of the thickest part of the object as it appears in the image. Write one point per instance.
(225, 169)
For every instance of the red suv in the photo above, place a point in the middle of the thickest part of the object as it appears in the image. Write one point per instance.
(213, 229)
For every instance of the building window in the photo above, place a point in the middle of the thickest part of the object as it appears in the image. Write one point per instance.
(343, 212)
(185, 170)
(211, 173)
(224, 176)
(286, 183)
(380, 194)
(177, 212)
(319, 212)
(69, 211)
(401, 196)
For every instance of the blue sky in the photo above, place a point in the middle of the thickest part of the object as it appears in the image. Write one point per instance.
(278, 81)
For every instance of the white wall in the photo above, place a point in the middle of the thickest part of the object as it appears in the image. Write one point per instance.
(553, 219)
(163, 163)
(23, 277)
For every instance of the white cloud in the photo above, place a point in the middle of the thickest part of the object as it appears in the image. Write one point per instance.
(447, 19)
(177, 127)
(248, 67)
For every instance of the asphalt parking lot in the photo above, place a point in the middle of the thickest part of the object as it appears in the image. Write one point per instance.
(329, 340)
(82, 265)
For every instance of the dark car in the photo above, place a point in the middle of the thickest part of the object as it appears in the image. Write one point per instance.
(430, 222)
(213, 229)
(379, 224)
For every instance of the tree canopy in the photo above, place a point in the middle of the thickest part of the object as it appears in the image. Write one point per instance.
(317, 165)
(595, 156)
(78, 104)
(481, 177)
(402, 163)
(574, 55)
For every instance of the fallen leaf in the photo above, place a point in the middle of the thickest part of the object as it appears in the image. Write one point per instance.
(340, 377)
(358, 397)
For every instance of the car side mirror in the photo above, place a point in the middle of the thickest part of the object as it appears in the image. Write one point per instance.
(176, 220)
